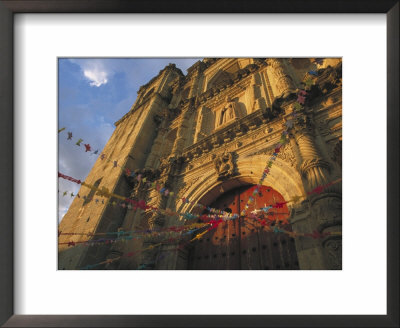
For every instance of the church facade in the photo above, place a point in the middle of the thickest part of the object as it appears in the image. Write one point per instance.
(206, 137)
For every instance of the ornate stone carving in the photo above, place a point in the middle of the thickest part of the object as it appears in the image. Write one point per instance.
(225, 165)
(287, 155)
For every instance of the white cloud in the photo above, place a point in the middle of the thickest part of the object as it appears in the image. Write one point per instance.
(95, 70)
(96, 76)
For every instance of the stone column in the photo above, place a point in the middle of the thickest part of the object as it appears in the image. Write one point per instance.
(313, 168)
(284, 82)
(325, 212)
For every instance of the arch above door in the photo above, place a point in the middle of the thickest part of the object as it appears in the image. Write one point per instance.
(282, 177)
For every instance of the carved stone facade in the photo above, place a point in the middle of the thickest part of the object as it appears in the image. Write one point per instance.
(202, 134)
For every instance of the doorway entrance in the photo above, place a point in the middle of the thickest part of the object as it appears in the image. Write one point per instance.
(244, 243)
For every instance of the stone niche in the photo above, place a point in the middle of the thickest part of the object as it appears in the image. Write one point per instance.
(227, 113)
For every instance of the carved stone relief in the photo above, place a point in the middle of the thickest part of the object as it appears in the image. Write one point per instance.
(287, 155)
(225, 165)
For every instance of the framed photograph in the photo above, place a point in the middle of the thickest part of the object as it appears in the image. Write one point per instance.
(215, 164)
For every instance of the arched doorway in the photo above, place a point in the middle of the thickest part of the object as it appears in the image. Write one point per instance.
(244, 243)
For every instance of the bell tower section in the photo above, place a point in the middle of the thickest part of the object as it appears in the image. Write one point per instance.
(128, 148)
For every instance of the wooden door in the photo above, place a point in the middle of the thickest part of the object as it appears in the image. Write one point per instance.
(244, 244)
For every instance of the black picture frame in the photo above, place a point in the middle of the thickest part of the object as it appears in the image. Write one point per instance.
(10, 7)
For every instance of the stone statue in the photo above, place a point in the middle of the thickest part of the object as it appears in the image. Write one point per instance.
(229, 112)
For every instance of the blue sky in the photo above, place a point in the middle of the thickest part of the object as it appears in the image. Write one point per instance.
(93, 93)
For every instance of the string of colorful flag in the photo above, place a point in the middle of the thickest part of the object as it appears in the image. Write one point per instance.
(170, 231)
(165, 191)
(125, 236)
(135, 204)
(204, 217)
(212, 220)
